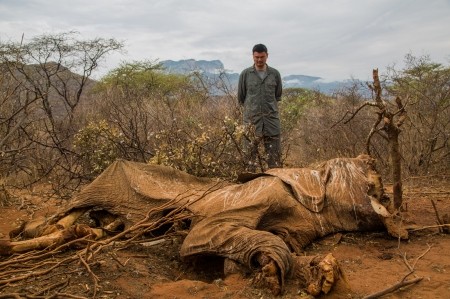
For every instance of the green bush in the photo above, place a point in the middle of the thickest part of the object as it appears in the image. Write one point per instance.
(96, 146)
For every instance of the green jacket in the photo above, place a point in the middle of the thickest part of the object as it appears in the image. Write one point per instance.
(259, 98)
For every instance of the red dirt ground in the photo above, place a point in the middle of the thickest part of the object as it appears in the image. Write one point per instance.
(370, 261)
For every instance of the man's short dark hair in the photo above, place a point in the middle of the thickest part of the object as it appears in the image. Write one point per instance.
(260, 48)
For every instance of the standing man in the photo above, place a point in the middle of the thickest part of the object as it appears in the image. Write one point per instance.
(259, 91)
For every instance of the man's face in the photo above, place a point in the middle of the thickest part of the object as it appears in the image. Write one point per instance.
(260, 58)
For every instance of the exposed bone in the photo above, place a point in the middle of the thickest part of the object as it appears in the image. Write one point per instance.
(40, 227)
(70, 219)
(102, 217)
(379, 208)
(114, 226)
(29, 229)
(376, 192)
(53, 239)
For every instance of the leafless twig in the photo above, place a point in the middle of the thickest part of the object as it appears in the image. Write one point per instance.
(403, 282)
(394, 287)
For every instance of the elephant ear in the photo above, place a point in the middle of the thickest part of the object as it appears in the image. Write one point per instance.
(307, 185)
(245, 177)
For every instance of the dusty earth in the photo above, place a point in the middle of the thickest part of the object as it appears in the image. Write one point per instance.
(371, 262)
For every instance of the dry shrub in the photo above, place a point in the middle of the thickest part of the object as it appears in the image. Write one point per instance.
(96, 144)
(168, 119)
(316, 130)
(425, 137)
(202, 150)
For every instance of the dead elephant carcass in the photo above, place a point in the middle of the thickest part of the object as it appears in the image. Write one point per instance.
(260, 224)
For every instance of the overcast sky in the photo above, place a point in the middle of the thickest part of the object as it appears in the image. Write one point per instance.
(334, 40)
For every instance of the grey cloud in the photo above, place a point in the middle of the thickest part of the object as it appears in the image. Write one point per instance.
(335, 39)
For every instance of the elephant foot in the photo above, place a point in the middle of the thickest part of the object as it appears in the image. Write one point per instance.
(316, 276)
(268, 277)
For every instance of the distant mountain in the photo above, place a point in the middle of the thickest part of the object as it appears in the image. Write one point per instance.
(316, 83)
(212, 68)
(189, 65)
(63, 89)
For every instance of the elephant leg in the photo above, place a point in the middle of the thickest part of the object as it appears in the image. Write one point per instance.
(269, 274)
(316, 275)
(261, 252)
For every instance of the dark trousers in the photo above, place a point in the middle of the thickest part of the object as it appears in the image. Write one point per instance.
(272, 147)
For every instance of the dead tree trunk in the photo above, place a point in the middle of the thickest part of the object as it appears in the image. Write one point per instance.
(390, 131)
(393, 132)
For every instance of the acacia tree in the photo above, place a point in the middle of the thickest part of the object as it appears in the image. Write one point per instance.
(49, 75)
(140, 99)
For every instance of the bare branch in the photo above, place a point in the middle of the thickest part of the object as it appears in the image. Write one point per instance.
(402, 283)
